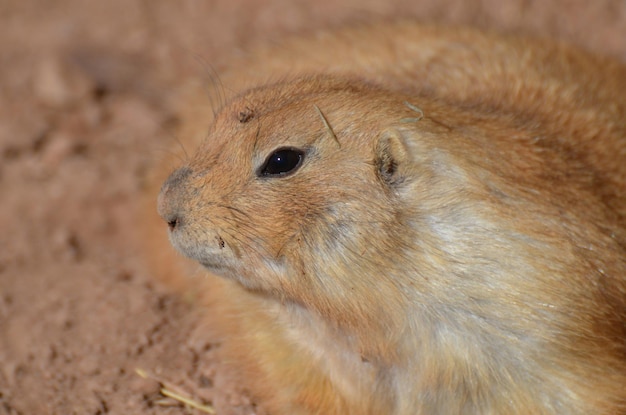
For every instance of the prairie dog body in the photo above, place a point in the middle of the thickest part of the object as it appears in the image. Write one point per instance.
(413, 220)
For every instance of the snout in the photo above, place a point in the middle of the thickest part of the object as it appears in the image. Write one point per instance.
(192, 232)
(170, 200)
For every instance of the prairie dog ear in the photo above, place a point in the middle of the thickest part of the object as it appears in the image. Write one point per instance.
(392, 158)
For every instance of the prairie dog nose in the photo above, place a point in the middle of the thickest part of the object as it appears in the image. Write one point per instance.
(169, 200)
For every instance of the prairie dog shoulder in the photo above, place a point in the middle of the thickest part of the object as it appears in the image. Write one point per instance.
(420, 219)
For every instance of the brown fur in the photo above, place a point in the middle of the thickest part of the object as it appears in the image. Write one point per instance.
(454, 241)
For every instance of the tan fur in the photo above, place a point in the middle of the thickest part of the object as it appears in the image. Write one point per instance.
(454, 241)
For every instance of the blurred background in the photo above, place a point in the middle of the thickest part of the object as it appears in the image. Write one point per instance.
(87, 93)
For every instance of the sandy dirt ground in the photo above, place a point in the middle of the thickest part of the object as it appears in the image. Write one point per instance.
(87, 92)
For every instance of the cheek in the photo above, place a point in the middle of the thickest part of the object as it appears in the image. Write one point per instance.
(273, 218)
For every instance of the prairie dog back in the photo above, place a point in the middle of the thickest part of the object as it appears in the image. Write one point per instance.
(399, 219)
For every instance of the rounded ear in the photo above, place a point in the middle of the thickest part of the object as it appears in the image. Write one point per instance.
(392, 158)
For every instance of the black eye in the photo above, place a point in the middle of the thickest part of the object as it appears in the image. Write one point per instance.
(282, 162)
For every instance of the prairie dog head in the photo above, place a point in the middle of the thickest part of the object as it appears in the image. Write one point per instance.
(300, 191)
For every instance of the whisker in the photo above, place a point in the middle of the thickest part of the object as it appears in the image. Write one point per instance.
(167, 150)
(241, 212)
(214, 85)
(182, 147)
(241, 242)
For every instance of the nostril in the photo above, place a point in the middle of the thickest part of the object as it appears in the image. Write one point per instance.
(169, 212)
(173, 223)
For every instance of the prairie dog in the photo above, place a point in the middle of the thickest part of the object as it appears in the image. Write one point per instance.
(399, 219)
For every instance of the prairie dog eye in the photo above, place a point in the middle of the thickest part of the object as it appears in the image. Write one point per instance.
(282, 162)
